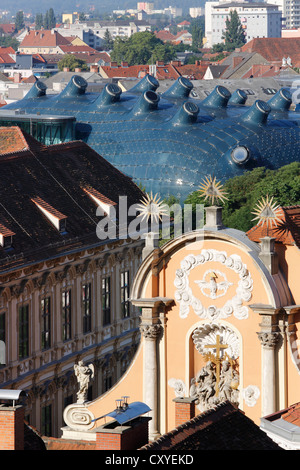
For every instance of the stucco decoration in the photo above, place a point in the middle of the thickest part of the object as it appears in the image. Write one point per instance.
(179, 387)
(206, 335)
(187, 297)
(78, 417)
(251, 395)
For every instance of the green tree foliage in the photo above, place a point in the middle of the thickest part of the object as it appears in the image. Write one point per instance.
(71, 62)
(39, 21)
(243, 193)
(108, 42)
(19, 21)
(7, 41)
(196, 31)
(234, 34)
(141, 48)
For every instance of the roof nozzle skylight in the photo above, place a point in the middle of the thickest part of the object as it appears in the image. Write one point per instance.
(76, 87)
(110, 94)
(148, 82)
(147, 102)
(187, 114)
(238, 97)
(218, 98)
(281, 101)
(257, 114)
(180, 89)
(38, 89)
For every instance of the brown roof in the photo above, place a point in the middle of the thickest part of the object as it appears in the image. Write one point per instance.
(164, 36)
(57, 175)
(71, 49)
(44, 38)
(287, 230)
(53, 443)
(275, 49)
(12, 140)
(7, 28)
(224, 427)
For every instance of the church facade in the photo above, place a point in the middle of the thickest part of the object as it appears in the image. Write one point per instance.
(219, 315)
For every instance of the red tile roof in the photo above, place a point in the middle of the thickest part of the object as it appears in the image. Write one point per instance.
(133, 71)
(71, 49)
(7, 28)
(12, 140)
(192, 71)
(287, 230)
(165, 36)
(275, 49)
(44, 38)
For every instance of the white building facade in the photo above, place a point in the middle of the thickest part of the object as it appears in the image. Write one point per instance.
(258, 20)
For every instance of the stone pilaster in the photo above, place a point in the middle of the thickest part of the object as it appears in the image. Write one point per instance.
(151, 329)
(269, 336)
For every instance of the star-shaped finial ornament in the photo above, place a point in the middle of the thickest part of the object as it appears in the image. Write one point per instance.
(212, 189)
(267, 212)
(152, 207)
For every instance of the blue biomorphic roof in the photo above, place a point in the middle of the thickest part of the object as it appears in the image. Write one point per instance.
(168, 142)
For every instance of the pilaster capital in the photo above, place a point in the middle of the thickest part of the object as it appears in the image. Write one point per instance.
(151, 331)
(269, 339)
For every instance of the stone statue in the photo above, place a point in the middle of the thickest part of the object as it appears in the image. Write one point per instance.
(84, 374)
(228, 383)
(209, 389)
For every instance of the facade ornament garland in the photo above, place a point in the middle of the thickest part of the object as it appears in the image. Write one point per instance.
(184, 293)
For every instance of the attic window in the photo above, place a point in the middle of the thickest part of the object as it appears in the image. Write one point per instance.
(102, 201)
(57, 219)
(6, 237)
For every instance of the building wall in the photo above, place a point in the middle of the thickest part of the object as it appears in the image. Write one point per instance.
(256, 21)
(47, 374)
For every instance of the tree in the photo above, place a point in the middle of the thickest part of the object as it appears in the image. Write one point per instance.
(234, 34)
(141, 48)
(19, 21)
(108, 42)
(243, 192)
(71, 62)
(39, 21)
(197, 36)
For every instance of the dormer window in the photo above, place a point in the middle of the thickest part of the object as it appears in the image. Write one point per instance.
(102, 201)
(6, 237)
(57, 219)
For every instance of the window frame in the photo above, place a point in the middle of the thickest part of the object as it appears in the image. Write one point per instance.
(66, 316)
(106, 300)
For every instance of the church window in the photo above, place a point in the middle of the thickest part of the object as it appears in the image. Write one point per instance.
(106, 300)
(86, 305)
(125, 307)
(46, 323)
(23, 331)
(66, 314)
(46, 420)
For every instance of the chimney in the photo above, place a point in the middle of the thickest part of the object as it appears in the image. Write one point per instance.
(268, 254)
(114, 64)
(77, 69)
(236, 61)
(128, 436)
(12, 427)
(17, 78)
(128, 431)
(66, 69)
(94, 68)
(184, 410)
(124, 64)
